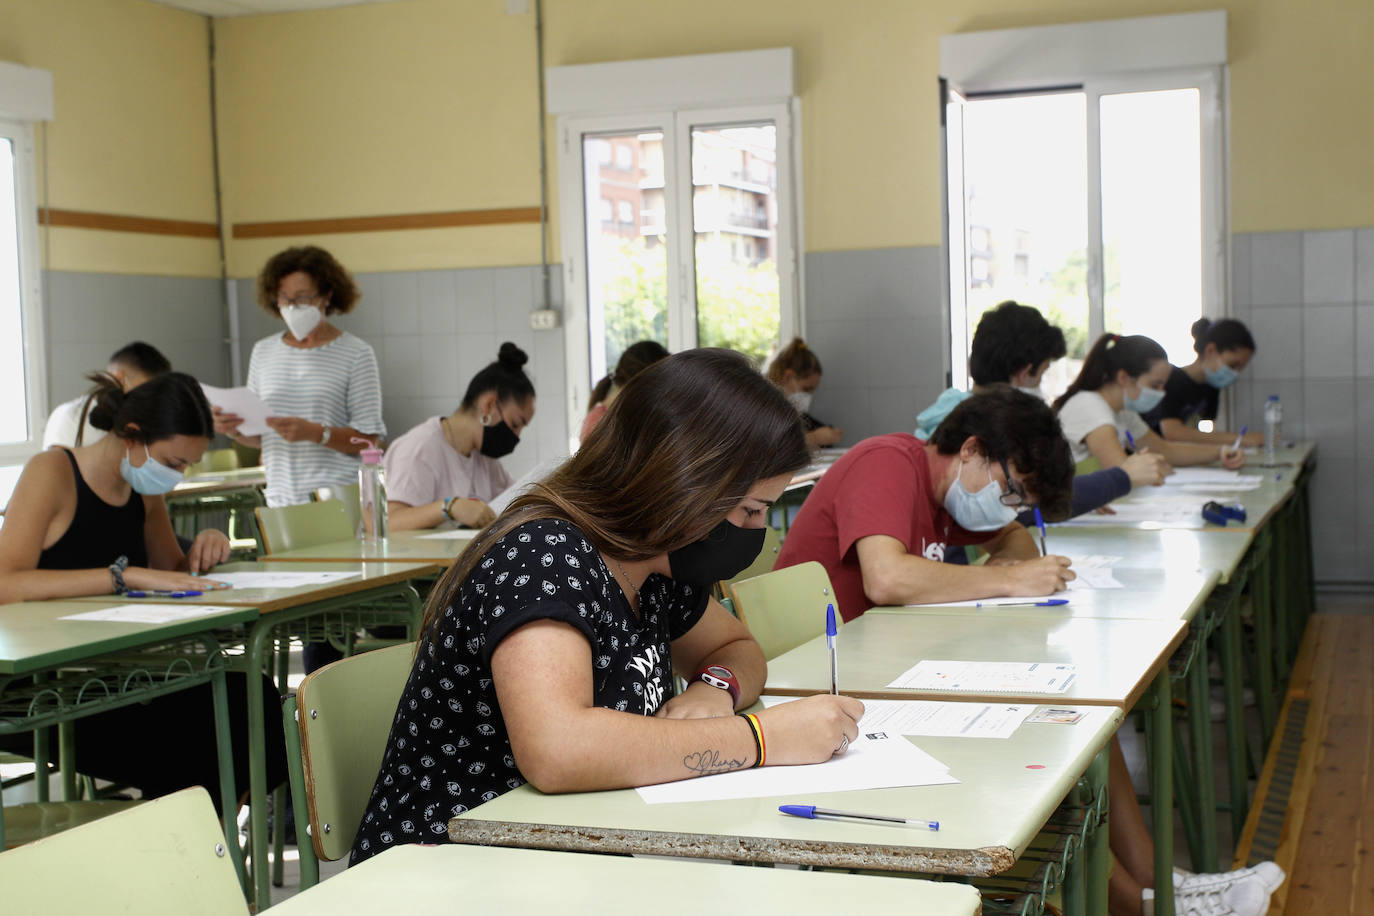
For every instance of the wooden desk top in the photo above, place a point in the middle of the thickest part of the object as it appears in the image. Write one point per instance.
(414, 879)
(1008, 788)
(33, 635)
(1116, 659)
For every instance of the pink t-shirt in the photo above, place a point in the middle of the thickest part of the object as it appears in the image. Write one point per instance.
(421, 467)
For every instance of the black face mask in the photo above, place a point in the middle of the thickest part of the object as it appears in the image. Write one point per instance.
(498, 441)
(723, 554)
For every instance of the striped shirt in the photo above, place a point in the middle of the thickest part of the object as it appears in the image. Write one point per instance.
(336, 384)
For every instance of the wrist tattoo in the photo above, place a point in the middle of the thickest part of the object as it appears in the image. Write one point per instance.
(708, 762)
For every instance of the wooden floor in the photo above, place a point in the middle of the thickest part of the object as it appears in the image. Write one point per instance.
(1323, 836)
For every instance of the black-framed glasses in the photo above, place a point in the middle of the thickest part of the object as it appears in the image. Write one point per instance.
(1014, 497)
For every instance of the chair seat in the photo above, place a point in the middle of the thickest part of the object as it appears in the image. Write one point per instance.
(35, 820)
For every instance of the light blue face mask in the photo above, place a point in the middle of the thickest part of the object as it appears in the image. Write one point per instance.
(981, 511)
(151, 478)
(1146, 401)
(1221, 377)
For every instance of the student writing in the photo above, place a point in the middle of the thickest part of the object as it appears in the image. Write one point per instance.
(797, 371)
(1224, 348)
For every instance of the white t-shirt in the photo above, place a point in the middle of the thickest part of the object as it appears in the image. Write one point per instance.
(63, 423)
(421, 468)
(1087, 411)
(336, 385)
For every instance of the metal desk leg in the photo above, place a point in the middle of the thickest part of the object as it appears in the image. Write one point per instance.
(219, 692)
(1232, 685)
(66, 757)
(1162, 793)
(1200, 741)
(1262, 604)
(42, 753)
(310, 866)
(1097, 864)
(1073, 890)
(283, 652)
(257, 763)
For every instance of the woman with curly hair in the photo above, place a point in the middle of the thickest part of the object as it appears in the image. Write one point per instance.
(320, 382)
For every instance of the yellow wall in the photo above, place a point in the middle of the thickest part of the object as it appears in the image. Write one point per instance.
(131, 135)
(381, 109)
(429, 105)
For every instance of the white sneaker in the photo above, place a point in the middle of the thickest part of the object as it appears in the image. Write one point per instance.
(1266, 873)
(1244, 892)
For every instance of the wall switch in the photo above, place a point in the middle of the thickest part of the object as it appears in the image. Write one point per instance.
(544, 320)
(517, 7)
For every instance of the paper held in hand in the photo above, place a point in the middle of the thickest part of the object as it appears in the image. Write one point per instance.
(241, 401)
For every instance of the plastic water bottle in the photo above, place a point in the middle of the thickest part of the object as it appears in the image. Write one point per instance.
(1273, 423)
(372, 492)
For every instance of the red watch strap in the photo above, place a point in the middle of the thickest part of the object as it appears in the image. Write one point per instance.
(721, 677)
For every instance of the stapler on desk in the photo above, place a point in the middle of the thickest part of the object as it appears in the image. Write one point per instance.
(1216, 513)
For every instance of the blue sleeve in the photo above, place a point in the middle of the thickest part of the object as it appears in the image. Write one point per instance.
(1090, 491)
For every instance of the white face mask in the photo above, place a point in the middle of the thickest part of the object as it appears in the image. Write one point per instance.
(800, 400)
(301, 319)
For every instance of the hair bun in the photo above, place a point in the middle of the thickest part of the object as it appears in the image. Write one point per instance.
(1200, 328)
(512, 356)
(103, 400)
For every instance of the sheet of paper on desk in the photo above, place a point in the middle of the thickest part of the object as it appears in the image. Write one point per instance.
(450, 534)
(987, 677)
(278, 579)
(241, 401)
(1214, 477)
(149, 613)
(934, 719)
(875, 760)
(1187, 514)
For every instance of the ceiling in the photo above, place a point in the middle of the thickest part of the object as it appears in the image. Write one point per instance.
(257, 7)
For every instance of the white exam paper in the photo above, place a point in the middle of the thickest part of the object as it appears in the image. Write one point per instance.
(149, 613)
(278, 579)
(244, 402)
(450, 534)
(875, 760)
(936, 719)
(987, 677)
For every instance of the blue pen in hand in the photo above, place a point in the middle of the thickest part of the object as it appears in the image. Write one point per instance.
(831, 631)
(812, 812)
(1235, 445)
(163, 593)
(1131, 441)
(1040, 523)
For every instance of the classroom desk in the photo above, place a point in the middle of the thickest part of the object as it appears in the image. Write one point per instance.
(1008, 790)
(221, 482)
(1169, 549)
(404, 546)
(55, 671)
(235, 493)
(379, 594)
(422, 879)
(1117, 661)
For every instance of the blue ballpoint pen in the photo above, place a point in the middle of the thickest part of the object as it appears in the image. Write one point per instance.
(811, 811)
(831, 630)
(163, 593)
(1040, 523)
(1048, 602)
(1235, 445)
(1131, 440)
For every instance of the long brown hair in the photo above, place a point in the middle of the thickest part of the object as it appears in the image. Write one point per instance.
(1112, 353)
(636, 358)
(676, 451)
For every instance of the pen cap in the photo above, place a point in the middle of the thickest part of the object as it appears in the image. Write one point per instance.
(830, 627)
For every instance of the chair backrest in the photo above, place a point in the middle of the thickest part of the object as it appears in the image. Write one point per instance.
(305, 525)
(345, 711)
(166, 856)
(786, 607)
(215, 459)
(763, 563)
(348, 495)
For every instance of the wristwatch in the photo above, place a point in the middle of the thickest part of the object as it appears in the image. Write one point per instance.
(324, 436)
(720, 677)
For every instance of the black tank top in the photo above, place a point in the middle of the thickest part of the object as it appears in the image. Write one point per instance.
(99, 533)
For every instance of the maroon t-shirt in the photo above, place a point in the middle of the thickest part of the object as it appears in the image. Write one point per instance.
(880, 486)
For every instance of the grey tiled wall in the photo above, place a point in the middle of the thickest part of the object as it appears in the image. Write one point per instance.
(1308, 298)
(875, 320)
(433, 330)
(89, 316)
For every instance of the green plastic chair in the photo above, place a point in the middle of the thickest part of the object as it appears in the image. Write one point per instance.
(786, 607)
(165, 856)
(348, 495)
(214, 461)
(763, 563)
(344, 713)
(306, 525)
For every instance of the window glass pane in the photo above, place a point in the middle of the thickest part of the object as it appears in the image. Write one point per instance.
(735, 219)
(1152, 216)
(627, 260)
(1025, 187)
(14, 406)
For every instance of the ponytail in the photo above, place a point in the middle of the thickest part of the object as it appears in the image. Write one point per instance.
(171, 404)
(1108, 356)
(1226, 334)
(797, 357)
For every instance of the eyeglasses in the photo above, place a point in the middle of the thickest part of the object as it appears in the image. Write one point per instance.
(1015, 496)
(283, 302)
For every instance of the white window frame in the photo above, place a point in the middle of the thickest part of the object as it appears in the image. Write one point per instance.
(672, 95)
(20, 134)
(1145, 54)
